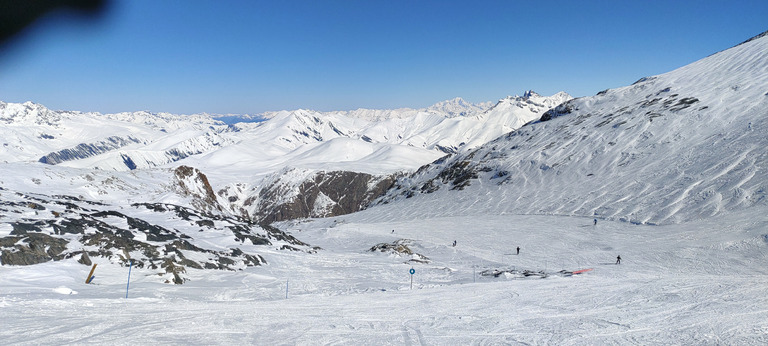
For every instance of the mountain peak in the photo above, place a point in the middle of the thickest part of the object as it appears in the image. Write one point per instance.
(530, 98)
(457, 107)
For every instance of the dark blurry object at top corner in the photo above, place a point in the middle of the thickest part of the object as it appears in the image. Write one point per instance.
(16, 15)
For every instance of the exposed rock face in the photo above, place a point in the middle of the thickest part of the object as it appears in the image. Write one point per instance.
(192, 182)
(323, 194)
(31, 248)
(563, 109)
(85, 259)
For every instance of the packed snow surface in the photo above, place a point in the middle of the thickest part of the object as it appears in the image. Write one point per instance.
(697, 283)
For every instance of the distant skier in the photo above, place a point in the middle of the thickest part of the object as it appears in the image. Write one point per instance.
(595, 220)
(518, 250)
(454, 243)
(393, 231)
(618, 259)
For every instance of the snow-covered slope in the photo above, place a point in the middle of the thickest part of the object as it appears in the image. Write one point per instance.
(677, 284)
(679, 146)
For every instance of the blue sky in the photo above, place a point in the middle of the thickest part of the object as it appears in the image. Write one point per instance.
(254, 56)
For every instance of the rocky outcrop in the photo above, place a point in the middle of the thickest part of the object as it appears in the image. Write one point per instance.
(563, 109)
(154, 236)
(31, 248)
(322, 194)
(400, 248)
(192, 182)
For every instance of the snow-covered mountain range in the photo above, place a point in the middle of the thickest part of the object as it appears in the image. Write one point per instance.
(127, 141)
(287, 165)
(247, 157)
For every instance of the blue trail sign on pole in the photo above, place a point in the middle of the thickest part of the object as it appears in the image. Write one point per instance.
(129, 279)
(412, 271)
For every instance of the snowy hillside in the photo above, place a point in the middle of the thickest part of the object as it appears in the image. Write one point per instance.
(684, 145)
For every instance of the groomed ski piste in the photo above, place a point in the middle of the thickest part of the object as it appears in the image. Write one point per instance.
(696, 283)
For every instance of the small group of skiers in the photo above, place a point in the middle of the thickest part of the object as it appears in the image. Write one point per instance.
(517, 252)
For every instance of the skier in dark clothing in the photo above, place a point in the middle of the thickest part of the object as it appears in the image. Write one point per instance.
(595, 222)
(618, 259)
(518, 250)
(454, 243)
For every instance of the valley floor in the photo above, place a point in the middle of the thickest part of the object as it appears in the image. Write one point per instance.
(694, 283)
